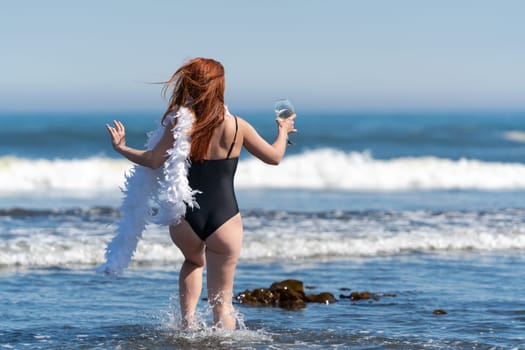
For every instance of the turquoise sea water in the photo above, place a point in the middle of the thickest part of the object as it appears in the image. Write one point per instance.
(426, 209)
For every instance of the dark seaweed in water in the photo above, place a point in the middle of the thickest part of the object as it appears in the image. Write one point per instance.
(287, 294)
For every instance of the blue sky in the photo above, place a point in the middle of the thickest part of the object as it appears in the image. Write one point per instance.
(337, 55)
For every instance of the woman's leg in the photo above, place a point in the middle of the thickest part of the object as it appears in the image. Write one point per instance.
(223, 248)
(190, 276)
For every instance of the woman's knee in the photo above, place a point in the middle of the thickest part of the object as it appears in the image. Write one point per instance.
(194, 257)
(195, 261)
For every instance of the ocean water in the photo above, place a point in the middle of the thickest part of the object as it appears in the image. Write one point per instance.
(425, 210)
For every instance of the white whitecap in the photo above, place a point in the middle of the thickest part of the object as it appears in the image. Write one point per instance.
(515, 135)
(359, 171)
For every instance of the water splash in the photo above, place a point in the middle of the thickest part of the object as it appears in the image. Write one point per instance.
(204, 334)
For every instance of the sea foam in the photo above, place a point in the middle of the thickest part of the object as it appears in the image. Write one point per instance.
(75, 239)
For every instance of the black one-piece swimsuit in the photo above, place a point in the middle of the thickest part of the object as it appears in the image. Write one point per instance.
(217, 201)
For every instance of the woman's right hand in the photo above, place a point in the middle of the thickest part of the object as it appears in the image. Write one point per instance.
(117, 134)
(287, 124)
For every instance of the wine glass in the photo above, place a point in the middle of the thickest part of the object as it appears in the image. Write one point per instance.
(284, 109)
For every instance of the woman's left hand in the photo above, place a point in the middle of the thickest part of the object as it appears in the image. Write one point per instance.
(117, 134)
(287, 124)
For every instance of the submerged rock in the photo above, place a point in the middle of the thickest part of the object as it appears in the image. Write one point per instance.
(360, 295)
(355, 296)
(325, 298)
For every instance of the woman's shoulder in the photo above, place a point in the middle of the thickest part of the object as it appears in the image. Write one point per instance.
(241, 122)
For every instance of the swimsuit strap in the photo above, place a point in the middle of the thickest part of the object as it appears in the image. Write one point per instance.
(234, 137)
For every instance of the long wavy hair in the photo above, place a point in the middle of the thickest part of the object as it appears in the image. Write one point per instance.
(199, 85)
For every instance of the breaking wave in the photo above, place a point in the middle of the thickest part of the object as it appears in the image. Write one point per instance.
(315, 169)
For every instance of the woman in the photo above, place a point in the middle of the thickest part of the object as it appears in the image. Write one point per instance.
(213, 232)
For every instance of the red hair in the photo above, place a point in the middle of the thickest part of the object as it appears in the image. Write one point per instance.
(199, 85)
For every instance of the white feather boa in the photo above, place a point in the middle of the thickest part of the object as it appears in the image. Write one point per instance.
(159, 196)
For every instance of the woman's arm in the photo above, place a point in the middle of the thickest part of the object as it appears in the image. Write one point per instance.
(153, 158)
(268, 153)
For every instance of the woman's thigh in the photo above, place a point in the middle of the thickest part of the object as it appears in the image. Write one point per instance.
(227, 239)
(223, 248)
(191, 246)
